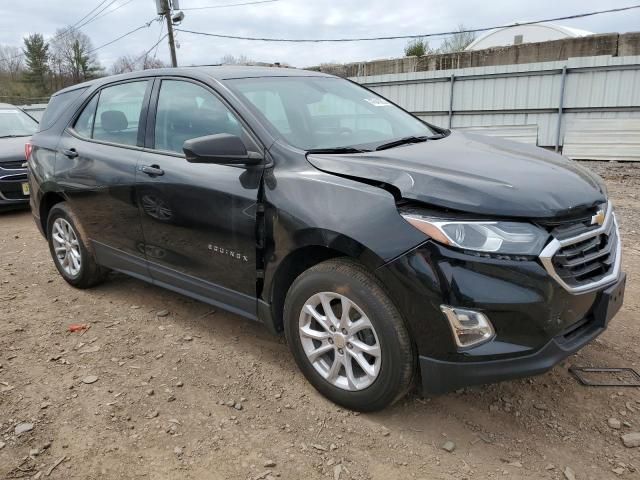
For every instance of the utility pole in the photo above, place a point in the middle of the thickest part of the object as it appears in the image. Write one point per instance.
(166, 12)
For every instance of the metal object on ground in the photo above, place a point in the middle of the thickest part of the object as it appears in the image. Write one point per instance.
(603, 139)
(585, 376)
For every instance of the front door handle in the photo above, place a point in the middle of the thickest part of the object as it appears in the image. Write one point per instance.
(71, 153)
(152, 170)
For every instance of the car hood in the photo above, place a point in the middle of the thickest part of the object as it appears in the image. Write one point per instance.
(12, 149)
(476, 174)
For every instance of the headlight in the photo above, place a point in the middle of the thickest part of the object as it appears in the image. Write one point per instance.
(509, 238)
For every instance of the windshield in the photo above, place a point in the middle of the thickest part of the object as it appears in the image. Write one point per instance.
(314, 113)
(16, 123)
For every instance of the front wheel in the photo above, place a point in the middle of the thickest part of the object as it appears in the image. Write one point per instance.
(347, 337)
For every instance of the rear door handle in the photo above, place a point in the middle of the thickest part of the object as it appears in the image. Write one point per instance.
(152, 170)
(71, 153)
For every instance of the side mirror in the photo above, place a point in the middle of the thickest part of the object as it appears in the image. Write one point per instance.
(222, 148)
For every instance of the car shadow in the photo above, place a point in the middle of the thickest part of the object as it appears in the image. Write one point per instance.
(481, 418)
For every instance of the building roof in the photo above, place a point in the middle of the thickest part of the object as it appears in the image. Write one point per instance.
(552, 27)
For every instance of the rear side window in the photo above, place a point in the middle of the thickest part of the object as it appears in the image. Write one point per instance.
(57, 106)
(117, 115)
(84, 124)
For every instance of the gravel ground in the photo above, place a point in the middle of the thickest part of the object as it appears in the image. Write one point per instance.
(161, 386)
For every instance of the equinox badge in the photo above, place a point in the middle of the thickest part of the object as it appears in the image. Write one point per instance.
(226, 251)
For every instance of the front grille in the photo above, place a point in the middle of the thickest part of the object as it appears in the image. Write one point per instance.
(12, 195)
(587, 260)
(18, 177)
(13, 165)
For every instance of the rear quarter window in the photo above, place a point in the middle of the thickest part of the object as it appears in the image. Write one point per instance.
(57, 106)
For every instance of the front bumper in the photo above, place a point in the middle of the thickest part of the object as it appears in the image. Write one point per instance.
(442, 376)
(11, 192)
(537, 322)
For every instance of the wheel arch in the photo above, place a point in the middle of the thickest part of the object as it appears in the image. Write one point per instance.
(47, 202)
(314, 246)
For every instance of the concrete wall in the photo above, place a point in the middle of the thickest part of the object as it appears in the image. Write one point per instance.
(613, 44)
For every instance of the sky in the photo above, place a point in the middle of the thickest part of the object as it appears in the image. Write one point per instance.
(293, 19)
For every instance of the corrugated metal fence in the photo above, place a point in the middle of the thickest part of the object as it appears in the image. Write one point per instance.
(551, 104)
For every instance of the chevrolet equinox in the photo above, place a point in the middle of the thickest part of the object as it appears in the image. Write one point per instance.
(384, 248)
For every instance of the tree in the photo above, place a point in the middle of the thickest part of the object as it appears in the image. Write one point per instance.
(72, 58)
(457, 42)
(131, 63)
(417, 48)
(36, 52)
(11, 61)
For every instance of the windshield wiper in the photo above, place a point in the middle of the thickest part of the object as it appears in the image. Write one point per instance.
(337, 150)
(13, 136)
(402, 141)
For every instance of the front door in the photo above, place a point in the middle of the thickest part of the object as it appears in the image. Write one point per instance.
(198, 220)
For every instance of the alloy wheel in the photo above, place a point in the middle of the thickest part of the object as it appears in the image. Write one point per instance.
(66, 247)
(340, 341)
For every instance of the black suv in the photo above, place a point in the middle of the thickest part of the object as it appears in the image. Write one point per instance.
(15, 127)
(383, 247)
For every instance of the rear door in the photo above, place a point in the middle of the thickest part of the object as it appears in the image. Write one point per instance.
(198, 220)
(96, 166)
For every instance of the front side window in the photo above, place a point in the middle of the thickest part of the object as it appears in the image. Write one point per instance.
(325, 112)
(117, 115)
(16, 123)
(185, 111)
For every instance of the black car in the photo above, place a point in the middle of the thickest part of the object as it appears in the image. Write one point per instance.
(15, 128)
(386, 249)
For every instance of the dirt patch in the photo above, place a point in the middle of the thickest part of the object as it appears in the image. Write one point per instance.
(161, 386)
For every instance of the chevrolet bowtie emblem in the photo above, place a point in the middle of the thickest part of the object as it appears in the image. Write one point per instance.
(598, 218)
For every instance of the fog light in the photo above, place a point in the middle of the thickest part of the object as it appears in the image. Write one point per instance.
(470, 328)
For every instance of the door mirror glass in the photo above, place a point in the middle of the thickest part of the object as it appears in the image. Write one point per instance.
(222, 148)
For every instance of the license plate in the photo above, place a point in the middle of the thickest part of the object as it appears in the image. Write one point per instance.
(611, 301)
(25, 189)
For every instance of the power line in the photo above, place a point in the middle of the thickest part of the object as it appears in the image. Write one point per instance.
(152, 47)
(77, 26)
(225, 5)
(396, 37)
(146, 25)
(159, 40)
(67, 31)
(93, 10)
(109, 12)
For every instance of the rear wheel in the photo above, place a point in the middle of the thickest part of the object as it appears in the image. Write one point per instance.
(71, 255)
(347, 337)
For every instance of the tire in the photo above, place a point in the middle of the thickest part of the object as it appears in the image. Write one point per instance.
(88, 273)
(387, 376)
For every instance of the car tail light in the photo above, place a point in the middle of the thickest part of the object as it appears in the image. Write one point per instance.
(28, 148)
